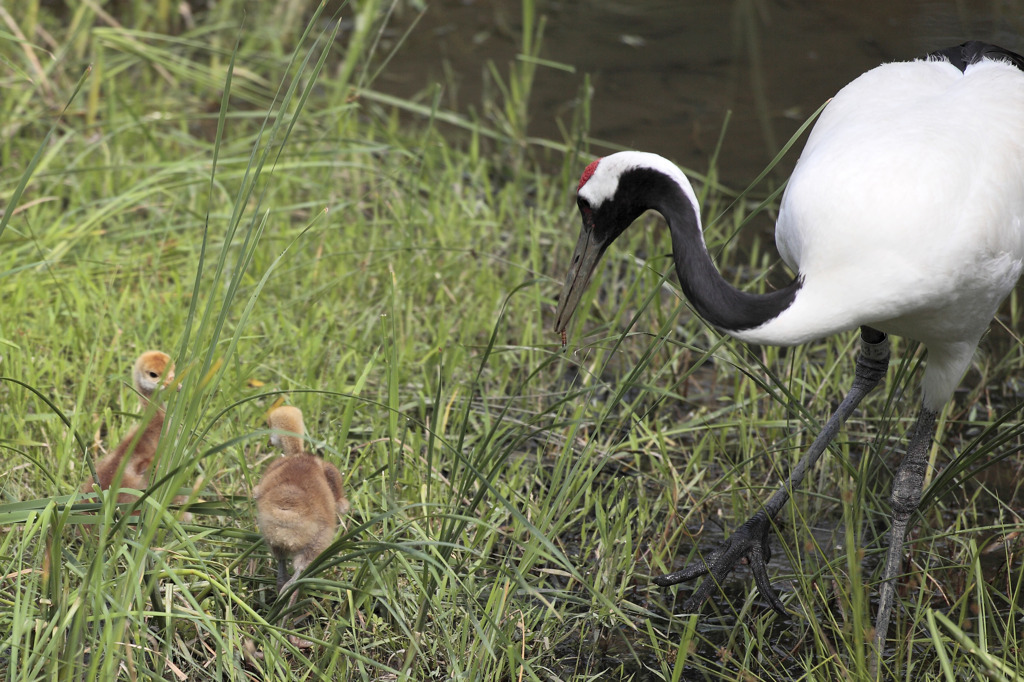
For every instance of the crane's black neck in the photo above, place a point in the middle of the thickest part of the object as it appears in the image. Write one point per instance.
(718, 302)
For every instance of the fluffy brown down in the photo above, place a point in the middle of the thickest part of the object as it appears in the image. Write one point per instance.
(153, 369)
(298, 499)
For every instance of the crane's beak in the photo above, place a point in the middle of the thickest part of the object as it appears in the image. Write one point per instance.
(584, 261)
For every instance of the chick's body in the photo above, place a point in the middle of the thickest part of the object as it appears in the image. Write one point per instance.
(153, 369)
(298, 499)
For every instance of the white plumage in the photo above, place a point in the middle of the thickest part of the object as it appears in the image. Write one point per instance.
(904, 211)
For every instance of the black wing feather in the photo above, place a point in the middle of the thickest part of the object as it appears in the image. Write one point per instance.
(973, 51)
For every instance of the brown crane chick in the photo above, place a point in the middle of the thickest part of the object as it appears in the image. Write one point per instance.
(153, 370)
(298, 500)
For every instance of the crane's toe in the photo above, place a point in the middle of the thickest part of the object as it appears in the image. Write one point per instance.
(750, 542)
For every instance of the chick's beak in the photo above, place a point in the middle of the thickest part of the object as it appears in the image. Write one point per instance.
(584, 261)
(168, 382)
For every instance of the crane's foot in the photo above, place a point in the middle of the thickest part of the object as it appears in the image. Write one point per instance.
(749, 541)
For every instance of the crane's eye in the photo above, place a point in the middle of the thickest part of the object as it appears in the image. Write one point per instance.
(584, 206)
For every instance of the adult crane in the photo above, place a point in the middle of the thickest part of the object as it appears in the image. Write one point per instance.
(904, 215)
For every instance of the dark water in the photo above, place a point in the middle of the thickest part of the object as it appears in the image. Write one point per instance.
(665, 72)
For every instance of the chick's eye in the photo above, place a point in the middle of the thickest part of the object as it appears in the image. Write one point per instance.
(153, 375)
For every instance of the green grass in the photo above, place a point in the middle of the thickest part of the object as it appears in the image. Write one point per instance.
(238, 194)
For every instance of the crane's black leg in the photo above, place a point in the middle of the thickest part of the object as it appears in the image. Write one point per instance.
(906, 495)
(751, 539)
